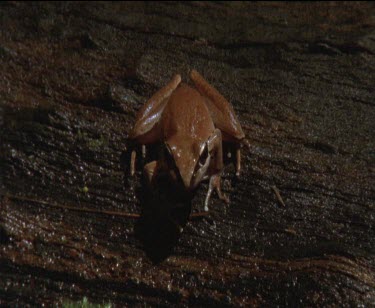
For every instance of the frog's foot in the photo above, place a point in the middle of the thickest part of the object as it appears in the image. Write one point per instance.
(215, 184)
(133, 159)
(132, 162)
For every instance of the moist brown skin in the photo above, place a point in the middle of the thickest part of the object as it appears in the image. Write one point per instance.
(188, 122)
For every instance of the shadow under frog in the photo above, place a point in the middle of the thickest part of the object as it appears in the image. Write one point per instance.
(165, 210)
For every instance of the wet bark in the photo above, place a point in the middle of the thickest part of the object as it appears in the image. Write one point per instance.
(299, 229)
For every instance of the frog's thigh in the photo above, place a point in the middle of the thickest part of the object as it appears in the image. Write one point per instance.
(221, 110)
(149, 115)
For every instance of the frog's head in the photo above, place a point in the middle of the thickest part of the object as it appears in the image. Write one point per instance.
(187, 161)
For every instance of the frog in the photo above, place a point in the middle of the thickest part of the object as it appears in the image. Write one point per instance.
(191, 123)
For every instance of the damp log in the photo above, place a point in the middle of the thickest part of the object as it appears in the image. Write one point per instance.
(299, 230)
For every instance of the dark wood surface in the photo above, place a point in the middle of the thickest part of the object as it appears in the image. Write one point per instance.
(301, 78)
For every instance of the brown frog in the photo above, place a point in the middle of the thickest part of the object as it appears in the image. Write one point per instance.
(191, 123)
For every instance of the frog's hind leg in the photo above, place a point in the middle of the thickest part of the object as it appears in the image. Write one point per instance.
(133, 158)
(145, 130)
(132, 162)
(232, 154)
(238, 160)
(244, 142)
(221, 110)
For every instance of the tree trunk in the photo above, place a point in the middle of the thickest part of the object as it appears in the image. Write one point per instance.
(299, 229)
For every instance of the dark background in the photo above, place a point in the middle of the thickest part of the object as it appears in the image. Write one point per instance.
(301, 78)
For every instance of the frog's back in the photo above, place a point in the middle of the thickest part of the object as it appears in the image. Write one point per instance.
(186, 115)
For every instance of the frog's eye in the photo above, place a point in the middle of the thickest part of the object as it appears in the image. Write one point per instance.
(204, 156)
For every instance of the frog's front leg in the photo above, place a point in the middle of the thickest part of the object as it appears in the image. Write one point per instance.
(133, 158)
(215, 147)
(215, 184)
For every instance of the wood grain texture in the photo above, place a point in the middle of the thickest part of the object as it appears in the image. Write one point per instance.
(300, 78)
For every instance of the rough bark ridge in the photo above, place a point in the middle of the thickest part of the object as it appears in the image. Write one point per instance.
(301, 79)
